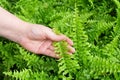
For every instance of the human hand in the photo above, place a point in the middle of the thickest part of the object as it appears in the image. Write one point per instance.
(39, 39)
(33, 37)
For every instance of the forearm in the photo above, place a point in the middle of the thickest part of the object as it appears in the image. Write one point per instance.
(10, 26)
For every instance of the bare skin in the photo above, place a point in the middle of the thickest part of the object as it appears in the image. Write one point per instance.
(33, 37)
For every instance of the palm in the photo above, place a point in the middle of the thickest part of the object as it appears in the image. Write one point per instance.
(40, 47)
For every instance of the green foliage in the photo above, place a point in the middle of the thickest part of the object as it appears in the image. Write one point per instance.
(94, 27)
(68, 66)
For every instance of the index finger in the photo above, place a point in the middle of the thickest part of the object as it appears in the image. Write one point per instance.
(69, 41)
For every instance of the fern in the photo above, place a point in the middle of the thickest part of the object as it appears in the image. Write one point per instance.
(116, 28)
(27, 74)
(93, 25)
(68, 66)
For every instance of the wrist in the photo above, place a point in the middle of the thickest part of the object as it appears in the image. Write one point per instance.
(14, 32)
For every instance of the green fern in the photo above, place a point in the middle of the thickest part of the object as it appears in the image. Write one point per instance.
(93, 25)
(116, 28)
(68, 66)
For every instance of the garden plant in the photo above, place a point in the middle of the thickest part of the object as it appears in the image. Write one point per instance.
(94, 27)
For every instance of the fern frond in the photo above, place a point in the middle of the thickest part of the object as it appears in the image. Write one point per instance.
(22, 75)
(117, 27)
(67, 64)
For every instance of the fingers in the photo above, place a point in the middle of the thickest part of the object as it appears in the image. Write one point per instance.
(52, 36)
(69, 41)
(44, 46)
(47, 50)
(55, 37)
(71, 49)
(50, 53)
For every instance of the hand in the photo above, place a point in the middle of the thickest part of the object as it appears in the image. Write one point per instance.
(39, 39)
(33, 37)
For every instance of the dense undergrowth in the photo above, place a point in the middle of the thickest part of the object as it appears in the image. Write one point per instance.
(93, 25)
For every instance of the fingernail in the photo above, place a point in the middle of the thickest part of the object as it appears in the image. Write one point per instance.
(73, 50)
(71, 42)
